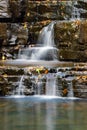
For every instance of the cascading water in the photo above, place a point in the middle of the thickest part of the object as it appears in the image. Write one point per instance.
(46, 52)
(20, 89)
(46, 37)
(51, 84)
(47, 49)
(70, 89)
(75, 12)
(39, 53)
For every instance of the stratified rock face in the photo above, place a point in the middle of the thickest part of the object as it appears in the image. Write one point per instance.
(83, 33)
(54, 10)
(39, 14)
(12, 37)
(14, 31)
(18, 33)
(4, 9)
(40, 11)
(14, 8)
(70, 81)
(80, 86)
(3, 29)
(82, 5)
(66, 32)
(3, 33)
(10, 81)
(36, 10)
(71, 39)
(17, 8)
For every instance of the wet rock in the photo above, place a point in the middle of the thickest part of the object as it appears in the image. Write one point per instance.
(3, 34)
(36, 12)
(19, 33)
(18, 9)
(80, 86)
(66, 32)
(82, 4)
(28, 92)
(3, 86)
(68, 55)
(53, 70)
(70, 38)
(83, 32)
(14, 8)
(62, 87)
(65, 92)
(4, 9)
(10, 71)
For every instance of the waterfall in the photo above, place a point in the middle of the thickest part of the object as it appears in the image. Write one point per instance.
(46, 37)
(39, 88)
(48, 86)
(51, 85)
(20, 89)
(75, 12)
(46, 51)
(70, 89)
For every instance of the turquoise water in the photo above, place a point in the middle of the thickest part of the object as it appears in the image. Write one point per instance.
(42, 113)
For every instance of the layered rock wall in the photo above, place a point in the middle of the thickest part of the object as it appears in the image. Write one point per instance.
(71, 39)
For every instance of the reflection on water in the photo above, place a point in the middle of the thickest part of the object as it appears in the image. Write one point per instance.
(35, 113)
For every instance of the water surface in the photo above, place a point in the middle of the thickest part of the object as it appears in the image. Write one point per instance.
(42, 113)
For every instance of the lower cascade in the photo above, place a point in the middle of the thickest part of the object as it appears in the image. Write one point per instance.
(49, 84)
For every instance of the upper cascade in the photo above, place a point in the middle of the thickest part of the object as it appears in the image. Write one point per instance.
(46, 37)
(46, 50)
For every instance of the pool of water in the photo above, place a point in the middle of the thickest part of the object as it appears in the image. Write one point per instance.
(42, 113)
